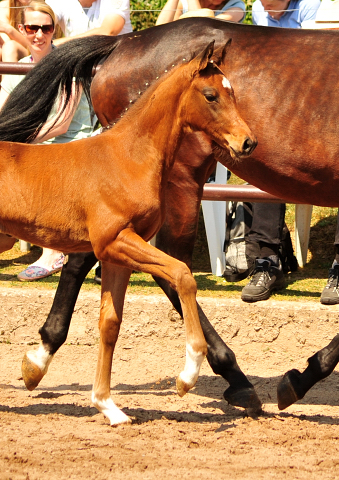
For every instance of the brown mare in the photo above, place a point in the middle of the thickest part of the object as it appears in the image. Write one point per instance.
(286, 84)
(130, 172)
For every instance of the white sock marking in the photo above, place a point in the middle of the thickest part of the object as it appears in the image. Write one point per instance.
(192, 366)
(40, 357)
(110, 410)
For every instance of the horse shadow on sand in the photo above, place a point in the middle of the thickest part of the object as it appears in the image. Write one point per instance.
(208, 390)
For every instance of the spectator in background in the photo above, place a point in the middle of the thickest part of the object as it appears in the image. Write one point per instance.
(268, 218)
(81, 18)
(231, 10)
(284, 13)
(76, 18)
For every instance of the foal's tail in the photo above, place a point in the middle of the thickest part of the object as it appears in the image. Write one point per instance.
(30, 103)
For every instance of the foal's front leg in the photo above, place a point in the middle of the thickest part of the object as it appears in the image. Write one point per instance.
(113, 288)
(134, 253)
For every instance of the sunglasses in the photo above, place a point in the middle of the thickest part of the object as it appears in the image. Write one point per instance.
(30, 29)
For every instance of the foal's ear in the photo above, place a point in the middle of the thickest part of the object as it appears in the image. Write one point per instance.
(220, 53)
(202, 59)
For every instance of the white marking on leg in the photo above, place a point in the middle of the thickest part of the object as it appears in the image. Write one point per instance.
(192, 366)
(110, 410)
(41, 357)
(226, 83)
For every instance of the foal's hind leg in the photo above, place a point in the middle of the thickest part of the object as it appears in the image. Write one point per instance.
(113, 288)
(294, 385)
(55, 329)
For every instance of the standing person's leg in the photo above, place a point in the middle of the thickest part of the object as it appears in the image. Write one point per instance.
(330, 294)
(267, 226)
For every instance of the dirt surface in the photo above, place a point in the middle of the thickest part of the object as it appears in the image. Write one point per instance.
(53, 432)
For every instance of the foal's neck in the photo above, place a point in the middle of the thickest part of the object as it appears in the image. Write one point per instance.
(154, 125)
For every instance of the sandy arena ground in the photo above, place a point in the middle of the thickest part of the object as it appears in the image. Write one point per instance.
(55, 433)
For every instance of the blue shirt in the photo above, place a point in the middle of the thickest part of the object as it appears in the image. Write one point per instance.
(228, 6)
(232, 4)
(298, 11)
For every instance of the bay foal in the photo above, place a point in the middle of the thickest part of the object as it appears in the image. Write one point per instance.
(128, 168)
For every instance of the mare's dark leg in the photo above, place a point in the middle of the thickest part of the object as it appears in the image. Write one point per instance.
(294, 385)
(55, 329)
(222, 360)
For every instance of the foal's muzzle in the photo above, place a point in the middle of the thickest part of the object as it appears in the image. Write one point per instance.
(248, 146)
(243, 150)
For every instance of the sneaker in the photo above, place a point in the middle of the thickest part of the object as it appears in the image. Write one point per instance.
(265, 279)
(330, 294)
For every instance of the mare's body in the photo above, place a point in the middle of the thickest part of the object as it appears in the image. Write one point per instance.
(286, 84)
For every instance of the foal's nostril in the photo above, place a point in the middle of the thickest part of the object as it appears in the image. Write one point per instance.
(248, 146)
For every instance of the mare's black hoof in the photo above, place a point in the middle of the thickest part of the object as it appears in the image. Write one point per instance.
(288, 390)
(244, 398)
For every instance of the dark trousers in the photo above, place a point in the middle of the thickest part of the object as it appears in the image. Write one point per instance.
(268, 223)
(336, 238)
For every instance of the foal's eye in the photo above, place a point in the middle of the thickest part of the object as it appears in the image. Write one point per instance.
(210, 97)
(211, 94)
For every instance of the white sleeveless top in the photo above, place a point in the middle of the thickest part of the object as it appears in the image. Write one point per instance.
(73, 19)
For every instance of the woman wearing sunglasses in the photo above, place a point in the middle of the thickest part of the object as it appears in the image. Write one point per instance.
(37, 26)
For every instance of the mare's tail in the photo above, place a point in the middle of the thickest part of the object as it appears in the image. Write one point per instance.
(30, 103)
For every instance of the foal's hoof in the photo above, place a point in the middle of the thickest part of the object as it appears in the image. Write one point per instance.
(287, 389)
(182, 387)
(31, 373)
(246, 398)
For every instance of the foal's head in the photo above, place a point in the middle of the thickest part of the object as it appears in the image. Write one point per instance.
(209, 104)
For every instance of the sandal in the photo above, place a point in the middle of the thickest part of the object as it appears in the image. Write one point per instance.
(34, 272)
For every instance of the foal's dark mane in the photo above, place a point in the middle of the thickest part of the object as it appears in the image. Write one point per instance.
(18, 120)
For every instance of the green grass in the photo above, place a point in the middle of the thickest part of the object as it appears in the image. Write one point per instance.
(304, 285)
